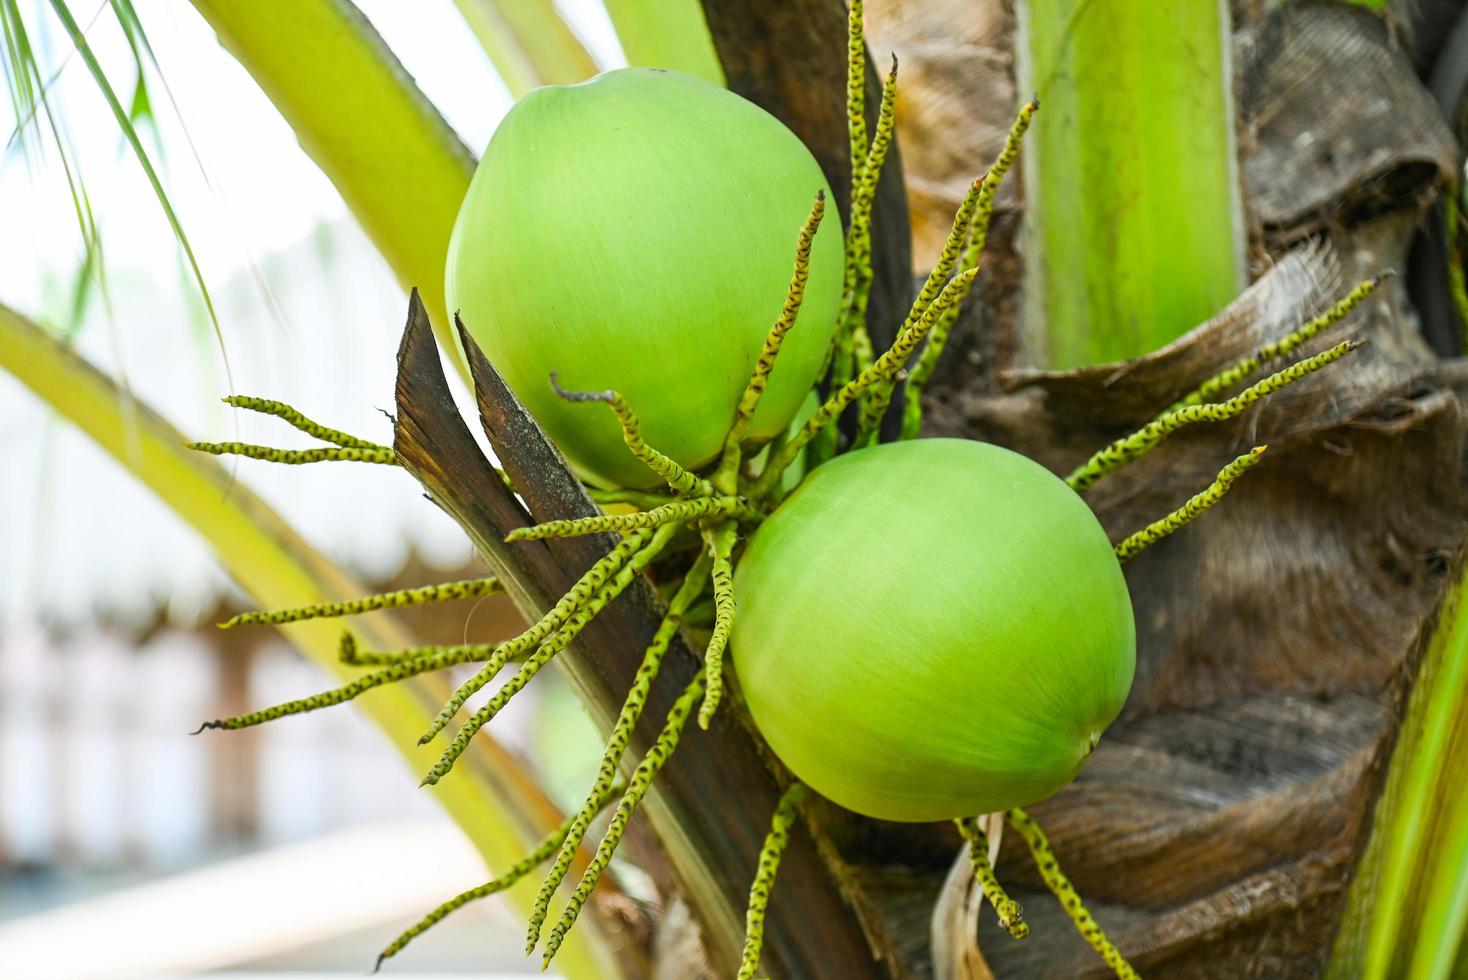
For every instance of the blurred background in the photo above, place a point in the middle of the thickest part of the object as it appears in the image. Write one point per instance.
(295, 848)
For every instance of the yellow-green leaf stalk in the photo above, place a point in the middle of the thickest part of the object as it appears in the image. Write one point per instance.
(528, 42)
(666, 34)
(1407, 910)
(1134, 227)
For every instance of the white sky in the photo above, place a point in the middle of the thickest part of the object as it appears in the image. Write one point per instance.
(270, 195)
(76, 532)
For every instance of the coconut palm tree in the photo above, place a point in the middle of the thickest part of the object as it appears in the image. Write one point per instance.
(1282, 793)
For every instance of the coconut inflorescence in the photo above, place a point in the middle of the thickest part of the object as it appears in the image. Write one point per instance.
(922, 630)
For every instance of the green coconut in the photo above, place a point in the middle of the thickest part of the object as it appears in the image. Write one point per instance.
(933, 629)
(637, 232)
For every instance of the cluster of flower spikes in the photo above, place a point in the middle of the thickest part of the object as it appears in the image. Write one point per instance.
(741, 488)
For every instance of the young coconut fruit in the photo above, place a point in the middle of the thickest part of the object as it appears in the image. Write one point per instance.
(633, 232)
(933, 629)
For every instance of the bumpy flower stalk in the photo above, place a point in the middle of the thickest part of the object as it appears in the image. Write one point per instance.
(884, 367)
(1011, 916)
(422, 596)
(547, 651)
(664, 466)
(1139, 443)
(1221, 382)
(726, 476)
(637, 787)
(678, 512)
(297, 457)
(1062, 889)
(856, 85)
(267, 406)
(346, 448)
(548, 846)
(721, 547)
(693, 586)
(988, 187)
(852, 345)
(420, 661)
(582, 592)
(1159, 529)
(764, 880)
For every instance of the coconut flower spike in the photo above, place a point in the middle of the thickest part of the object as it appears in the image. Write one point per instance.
(1061, 888)
(1210, 389)
(420, 662)
(1130, 448)
(289, 415)
(421, 596)
(513, 874)
(853, 345)
(884, 367)
(665, 467)
(297, 457)
(694, 584)
(354, 656)
(978, 235)
(652, 763)
(1011, 916)
(721, 547)
(727, 474)
(583, 591)
(547, 652)
(677, 512)
(1157, 530)
(786, 811)
(346, 448)
(856, 84)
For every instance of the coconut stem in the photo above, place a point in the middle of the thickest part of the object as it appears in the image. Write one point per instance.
(1130, 448)
(347, 448)
(546, 652)
(677, 512)
(1157, 530)
(885, 367)
(727, 475)
(693, 586)
(764, 880)
(267, 406)
(422, 596)
(665, 467)
(1236, 373)
(297, 457)
(988, 185)
(583, 591)
(721, 547)
(637, 787)
(1011, 916)
(853, 346)
(414, 662)
(1061, 887)
(516, 871)
(856, 85)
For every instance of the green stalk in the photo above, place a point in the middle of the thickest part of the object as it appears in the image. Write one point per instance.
(528, 42)
(1133, 217)
(496, 802)
(395, 161)
(666, 34)
(1407, 909)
